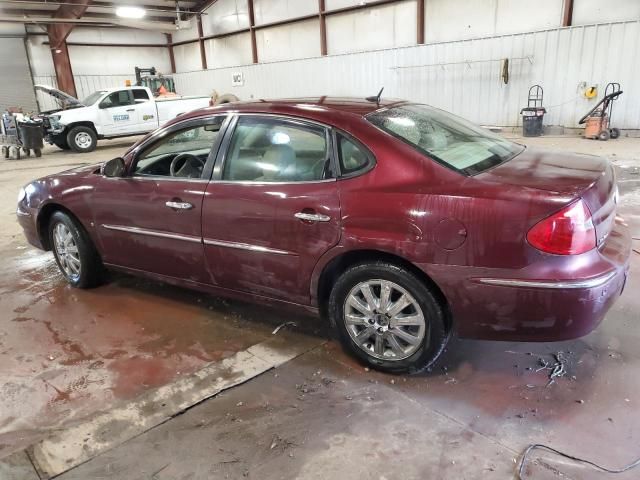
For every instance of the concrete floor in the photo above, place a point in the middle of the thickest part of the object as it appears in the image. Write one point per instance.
(66, 355)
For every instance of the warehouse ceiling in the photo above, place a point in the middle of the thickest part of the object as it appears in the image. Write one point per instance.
(160, 15)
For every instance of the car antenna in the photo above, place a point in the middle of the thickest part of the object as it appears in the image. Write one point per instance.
(375, 98)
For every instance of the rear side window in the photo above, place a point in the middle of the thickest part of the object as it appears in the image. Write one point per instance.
(140, 95)
(353, 156)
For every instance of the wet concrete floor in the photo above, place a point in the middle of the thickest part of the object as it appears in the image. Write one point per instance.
(65, 354)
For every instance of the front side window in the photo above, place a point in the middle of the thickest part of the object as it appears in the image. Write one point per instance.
(449, 139)
(117, 99)
(272, 150)
(180, 154)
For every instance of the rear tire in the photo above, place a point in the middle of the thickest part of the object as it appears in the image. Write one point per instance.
(75, 253)
(82, 139)
(408, 340)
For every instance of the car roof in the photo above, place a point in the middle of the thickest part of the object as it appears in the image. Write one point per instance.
(309, 107)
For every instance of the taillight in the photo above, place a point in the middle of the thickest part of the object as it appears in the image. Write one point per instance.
(567, 232)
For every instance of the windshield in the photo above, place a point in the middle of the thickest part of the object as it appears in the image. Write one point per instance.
(93, 98)
(448, 139)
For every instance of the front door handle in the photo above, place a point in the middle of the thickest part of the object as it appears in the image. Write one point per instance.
(179, 205)
(131, 109)
(312, 217)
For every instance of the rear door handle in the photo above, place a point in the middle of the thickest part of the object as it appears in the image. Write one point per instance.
(179, 205)
(312, 217)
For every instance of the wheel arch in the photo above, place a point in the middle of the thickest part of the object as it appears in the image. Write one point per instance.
(44, 217)
(84, 123)
(341, 262)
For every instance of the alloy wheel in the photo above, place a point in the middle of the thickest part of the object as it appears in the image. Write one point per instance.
(384, 320)
(66, 250)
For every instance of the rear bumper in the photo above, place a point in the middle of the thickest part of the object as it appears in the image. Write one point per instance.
(526, 306)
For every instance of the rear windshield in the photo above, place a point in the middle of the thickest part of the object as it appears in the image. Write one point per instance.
(450, 140)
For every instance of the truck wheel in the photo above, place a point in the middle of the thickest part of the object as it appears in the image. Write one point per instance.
(82, 139)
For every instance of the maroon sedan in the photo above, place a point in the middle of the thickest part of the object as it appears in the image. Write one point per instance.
(399, 222)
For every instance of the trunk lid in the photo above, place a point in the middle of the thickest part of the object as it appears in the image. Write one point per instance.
(568, 174)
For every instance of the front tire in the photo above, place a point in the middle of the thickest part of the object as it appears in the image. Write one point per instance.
(74, 251)
(388, 318)
(82, 139)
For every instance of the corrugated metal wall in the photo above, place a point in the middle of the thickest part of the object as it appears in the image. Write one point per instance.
(463, 76)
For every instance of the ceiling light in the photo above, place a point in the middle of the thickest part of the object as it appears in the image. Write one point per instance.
(130, 12)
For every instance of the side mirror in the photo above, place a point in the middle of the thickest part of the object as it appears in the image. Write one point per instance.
(113, 168)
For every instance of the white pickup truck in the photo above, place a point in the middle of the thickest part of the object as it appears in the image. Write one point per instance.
(110, 113)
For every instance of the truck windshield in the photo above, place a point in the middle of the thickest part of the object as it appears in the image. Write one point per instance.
(93, 98)
(450, 140)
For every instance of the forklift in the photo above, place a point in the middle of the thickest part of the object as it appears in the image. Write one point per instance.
(159, 84)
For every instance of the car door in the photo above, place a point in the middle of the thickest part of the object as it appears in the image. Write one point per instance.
(117, 113)
(272, 208)
(150, 219)
(146, 115)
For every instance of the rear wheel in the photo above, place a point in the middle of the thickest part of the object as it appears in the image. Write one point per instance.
(614, 133)
(82, 139)
(74, 251)
(604, 135)
(388, 318)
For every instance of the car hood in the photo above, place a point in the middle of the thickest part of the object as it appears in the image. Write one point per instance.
(558, 172)
(64, 99)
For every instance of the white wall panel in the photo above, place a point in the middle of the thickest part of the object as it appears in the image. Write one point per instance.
(40, 55)
(372, 28)
(459, 19)
(295, 40)
(561, 60)
(225, 16)
(599, 11)
(268, 11)
(187, 57)
(117, 60)
(189, 33)
(336, 4)
(126, 36)
(228, 51)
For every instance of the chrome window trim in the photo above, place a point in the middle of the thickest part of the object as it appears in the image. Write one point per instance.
(245, 246)
(154, 178)
(153, 233)
(552, 284)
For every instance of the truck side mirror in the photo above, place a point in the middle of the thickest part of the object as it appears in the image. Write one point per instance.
(113, 168)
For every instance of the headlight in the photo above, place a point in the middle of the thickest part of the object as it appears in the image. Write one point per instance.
(54, 120)
(22, 195)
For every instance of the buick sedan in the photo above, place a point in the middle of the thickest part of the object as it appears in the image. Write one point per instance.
(398, 222)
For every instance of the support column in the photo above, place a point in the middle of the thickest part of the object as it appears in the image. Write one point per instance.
(58, 34)
(252, 32)
(567, 13)
(172, 58)
(323, 27)
(420, 29)
(203, 53)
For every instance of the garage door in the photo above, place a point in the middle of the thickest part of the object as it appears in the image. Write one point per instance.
(16, 88)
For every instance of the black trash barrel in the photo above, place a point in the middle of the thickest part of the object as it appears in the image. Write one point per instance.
(31, 135)
(532, 121)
